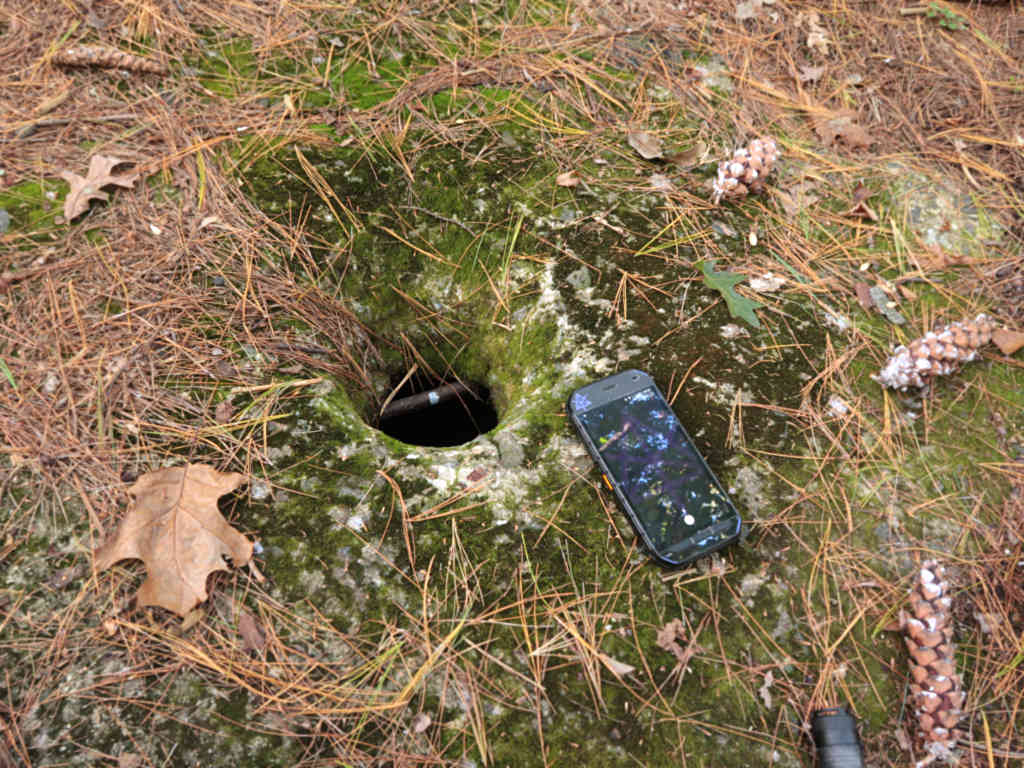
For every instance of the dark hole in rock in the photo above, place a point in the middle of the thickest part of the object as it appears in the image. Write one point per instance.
(431, 411)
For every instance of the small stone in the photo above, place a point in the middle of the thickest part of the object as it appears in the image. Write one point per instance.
(767, 283)
(751, 583)
(50, 383)
(510, 449)
(837, 406)
(579, 278)
(260, 490)
(733, 331)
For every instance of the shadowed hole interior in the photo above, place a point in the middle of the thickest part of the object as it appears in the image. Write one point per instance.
(426, 410)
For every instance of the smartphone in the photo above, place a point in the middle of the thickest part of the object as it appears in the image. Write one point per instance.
(678, 507)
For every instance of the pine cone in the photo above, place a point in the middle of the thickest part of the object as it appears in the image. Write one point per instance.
(936, 690)
(747, 169)
(937, 353)
(108, 58)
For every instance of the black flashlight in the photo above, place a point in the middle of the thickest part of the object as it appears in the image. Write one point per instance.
(835, 738)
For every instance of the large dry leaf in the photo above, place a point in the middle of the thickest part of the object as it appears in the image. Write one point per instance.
(85, 189)
(175, 528)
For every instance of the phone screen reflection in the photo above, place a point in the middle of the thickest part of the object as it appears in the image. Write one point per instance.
(656, 467)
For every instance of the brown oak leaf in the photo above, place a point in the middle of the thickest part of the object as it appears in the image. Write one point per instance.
(175, 528)
(88, 188)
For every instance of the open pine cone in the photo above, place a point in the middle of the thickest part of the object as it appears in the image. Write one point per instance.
(936, 690)
(747, 169)
(937, 353)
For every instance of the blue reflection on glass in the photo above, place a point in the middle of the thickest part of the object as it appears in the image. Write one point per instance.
(660, 473)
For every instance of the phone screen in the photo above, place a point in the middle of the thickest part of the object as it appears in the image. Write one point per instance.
(675, 498)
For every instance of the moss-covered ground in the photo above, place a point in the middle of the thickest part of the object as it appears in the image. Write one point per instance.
(377, 193)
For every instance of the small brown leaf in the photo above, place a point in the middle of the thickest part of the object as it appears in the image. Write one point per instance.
(810, 74)
(689, 157)
(224, 411)
(860, 194)
(253, 638)
(906, 293)
(420, 722)
(860, 207)
(191, 619)
(864, 297)
(616, 667)
(798, 197)
(129, 760)
(568, 179)
(88, 188)
(817, 35)
(863, 211)
(749, 9)
(669, 638)
(661, 182)
(903, 741)
(765, 690)
(647, 145)
(842, 128)
(1008, 341)
(175, 528)
(936, 259)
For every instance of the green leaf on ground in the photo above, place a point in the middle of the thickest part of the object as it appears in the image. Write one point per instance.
(7, 373)
(725, 283)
